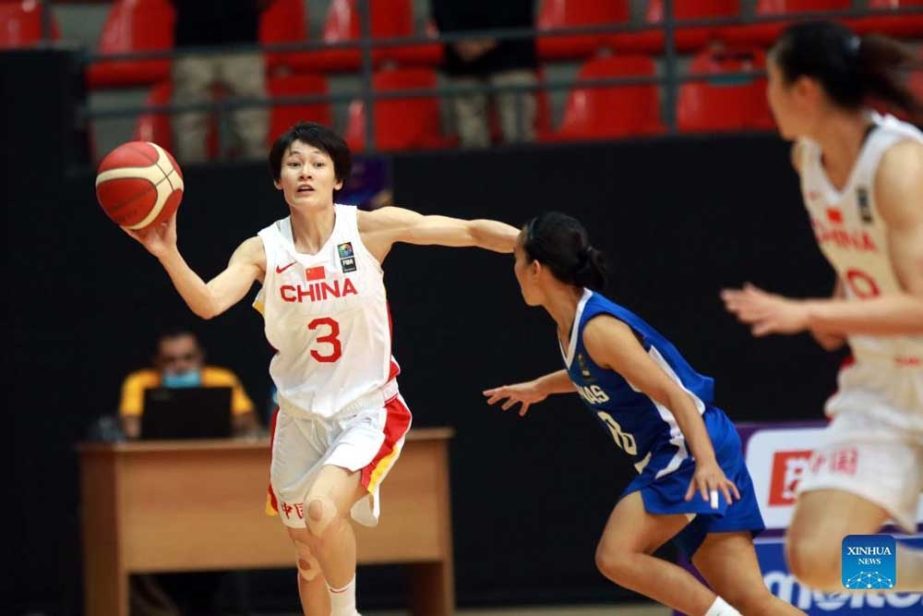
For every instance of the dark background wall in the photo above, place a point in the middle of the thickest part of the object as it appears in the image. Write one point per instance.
(679, 219)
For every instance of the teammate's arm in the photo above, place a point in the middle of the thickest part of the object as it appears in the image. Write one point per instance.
(383, 227)
(206, 300)
(613, 345)
(530, 392)
(827, 340)
(899, 195)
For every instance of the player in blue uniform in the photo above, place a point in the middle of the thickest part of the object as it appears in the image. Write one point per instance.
(692, 485)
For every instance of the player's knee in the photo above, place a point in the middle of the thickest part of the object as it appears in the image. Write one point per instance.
(814, 561)
(308, 568)
(308, 565)
(321, 514)
(613, 563)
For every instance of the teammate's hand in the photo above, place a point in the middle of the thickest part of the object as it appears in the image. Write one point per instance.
(525, 393)
(829, 341)
(708, 480)
(766, 313)
(157, 239)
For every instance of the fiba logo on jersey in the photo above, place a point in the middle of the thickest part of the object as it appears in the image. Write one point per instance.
(865, 210)
(584, 369)
(347, 259)
(869, 562)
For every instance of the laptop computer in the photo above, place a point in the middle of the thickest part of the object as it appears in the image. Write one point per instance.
(186, 413)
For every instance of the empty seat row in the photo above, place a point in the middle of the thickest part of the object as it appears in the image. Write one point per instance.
(147, 25)
(605, 112)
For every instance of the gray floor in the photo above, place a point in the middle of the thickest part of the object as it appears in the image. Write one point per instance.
(599, 610)
(584, 610)
(620, 610)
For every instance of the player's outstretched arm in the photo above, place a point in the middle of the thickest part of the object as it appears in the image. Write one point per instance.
(830, 341)
(206, 300)
(613, 345)
(899, 196)
(530, 392)
(383, 227)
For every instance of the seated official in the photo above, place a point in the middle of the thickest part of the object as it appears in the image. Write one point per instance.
(180, 362)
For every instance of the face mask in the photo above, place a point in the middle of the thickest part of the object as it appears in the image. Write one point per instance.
(191, 378)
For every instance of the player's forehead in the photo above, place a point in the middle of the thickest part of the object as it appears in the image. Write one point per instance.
(181, 343)
(302, 149)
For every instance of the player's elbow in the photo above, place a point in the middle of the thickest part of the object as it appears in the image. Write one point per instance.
(207, 310)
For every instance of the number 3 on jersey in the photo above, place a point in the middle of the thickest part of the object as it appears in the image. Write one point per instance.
(329, 338)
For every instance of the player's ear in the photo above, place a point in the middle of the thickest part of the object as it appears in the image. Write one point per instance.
(338, 185)
(806, 89)
(277, 184)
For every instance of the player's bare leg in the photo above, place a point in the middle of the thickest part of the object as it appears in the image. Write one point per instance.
(331, 537)
(624, 556)
(813, 544)
(728, 563)
(312, 587)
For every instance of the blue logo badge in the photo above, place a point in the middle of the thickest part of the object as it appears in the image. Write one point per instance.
(869, 561)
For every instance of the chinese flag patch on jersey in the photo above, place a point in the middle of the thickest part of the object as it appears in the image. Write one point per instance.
(315, 273)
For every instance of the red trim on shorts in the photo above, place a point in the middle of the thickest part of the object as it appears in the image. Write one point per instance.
(394, 368)
(396, 425)
(272, 503)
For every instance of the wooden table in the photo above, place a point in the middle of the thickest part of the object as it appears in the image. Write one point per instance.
(199, 505)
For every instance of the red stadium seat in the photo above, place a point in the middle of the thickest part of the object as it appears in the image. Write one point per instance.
(909, 26)
(400, 123)
(688, 38)
(766, 33)
(284, 21)
(390, 19)
(724, 103)
(282, 117)
(134, 25)
(612, 111)
(21, 24)
(556, 14)
(783, 7)
(916, 80)
(156, 127)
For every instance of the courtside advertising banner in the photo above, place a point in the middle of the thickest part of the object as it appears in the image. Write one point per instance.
(776, 456)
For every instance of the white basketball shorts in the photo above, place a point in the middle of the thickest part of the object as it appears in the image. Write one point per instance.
(367, 436)
(874, 445)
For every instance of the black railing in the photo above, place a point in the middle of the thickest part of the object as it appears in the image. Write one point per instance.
(366, 45)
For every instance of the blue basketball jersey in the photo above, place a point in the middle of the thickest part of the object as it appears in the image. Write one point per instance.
(643, 428)
(648, 432)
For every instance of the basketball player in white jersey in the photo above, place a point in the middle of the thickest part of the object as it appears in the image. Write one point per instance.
(342, 421)
(862, 183)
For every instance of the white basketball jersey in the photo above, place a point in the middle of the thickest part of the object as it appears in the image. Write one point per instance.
(854, 237)
(326, 316)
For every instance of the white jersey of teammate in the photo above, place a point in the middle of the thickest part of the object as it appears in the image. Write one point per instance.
(326, 316)
(874, 446)
(852, 234)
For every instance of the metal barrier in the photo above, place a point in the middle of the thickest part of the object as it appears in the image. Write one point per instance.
(670, 80)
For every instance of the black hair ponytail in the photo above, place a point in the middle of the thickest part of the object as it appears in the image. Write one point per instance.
(560, 243)
(852, 69)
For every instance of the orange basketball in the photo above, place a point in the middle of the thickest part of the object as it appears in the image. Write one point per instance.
(139, 184)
